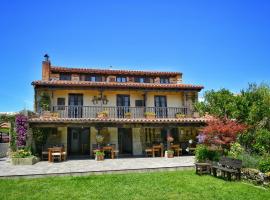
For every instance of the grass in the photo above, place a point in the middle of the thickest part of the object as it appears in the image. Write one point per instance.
(162, 185)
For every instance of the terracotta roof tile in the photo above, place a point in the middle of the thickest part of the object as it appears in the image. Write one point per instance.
(110, 71)
(116, 84)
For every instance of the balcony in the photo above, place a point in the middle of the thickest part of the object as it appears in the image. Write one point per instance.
(119, 111)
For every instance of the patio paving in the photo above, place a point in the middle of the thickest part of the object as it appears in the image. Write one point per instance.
(90, 166)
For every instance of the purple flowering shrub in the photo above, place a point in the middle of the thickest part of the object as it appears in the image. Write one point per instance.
(21, 130)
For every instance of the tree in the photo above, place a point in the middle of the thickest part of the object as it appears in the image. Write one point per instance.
(222, 132)
(220, 103)
(253, 106)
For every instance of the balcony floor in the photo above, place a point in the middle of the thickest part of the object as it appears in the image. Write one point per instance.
(90, 166)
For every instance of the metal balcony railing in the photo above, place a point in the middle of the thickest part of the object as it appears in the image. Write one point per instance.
(118, 111)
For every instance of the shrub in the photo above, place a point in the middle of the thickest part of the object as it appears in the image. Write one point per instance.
(203, 153)
(264, 164)
(235, 150)
(262, 141)
(22, 153)
(249, 160)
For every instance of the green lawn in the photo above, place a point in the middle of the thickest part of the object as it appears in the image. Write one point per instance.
(162, 185)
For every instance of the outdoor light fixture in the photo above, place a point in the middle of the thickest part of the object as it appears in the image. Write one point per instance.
(100, 97)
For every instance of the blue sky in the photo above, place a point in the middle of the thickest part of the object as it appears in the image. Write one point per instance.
(214, 43)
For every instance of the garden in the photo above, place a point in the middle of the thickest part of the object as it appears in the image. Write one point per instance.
(241, 130)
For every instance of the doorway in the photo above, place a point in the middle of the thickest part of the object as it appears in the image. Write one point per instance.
(75, 105)
(78, 141)
(123, 103)
(125, 141)
(161, 106)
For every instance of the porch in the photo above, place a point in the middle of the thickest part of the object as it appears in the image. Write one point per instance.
(90, 167)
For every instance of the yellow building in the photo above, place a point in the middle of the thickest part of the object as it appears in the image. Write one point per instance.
(130, 109)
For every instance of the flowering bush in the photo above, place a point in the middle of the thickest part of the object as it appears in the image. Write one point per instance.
(236, 150)
(21, 129)
(22, 153)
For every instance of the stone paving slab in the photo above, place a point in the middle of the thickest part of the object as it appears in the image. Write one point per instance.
(90, 166)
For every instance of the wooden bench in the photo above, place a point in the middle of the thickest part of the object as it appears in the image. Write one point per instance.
(228, 166)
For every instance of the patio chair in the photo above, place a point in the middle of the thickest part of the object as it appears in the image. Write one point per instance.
(148, 151)
(158, 149)
(64, 154)
(44, 153)
(56, 153)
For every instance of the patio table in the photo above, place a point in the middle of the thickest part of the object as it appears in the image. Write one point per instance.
(176, 148)
(110, 149)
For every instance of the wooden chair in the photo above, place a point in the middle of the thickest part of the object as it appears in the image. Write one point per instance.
(56, 153)
(158, 149)
(148, 151)
(44, 153)
(64, 154)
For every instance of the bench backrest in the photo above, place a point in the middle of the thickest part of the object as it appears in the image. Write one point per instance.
(230, 162)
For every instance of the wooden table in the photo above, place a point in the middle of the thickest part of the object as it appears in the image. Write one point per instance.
(203, 168)
(176, 148)
(110, 149)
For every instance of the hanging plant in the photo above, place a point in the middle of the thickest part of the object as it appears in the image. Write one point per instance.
(21, 130)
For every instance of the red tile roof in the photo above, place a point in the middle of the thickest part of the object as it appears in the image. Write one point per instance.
(116, 85)
(121, 120)
(55, 69)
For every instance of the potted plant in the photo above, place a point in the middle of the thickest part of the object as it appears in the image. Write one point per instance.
(55, 114)
(99, 155)
(196, 114)
(23, 157)
(179, 115)
(103, 114)
(149, 115)
(128, 115)
(170, 153)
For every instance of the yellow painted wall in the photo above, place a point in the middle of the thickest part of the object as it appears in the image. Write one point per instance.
(174, 99)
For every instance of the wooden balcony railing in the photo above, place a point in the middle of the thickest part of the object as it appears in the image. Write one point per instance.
(118, 111)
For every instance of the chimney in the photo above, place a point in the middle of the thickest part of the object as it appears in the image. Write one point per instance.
(46, 68)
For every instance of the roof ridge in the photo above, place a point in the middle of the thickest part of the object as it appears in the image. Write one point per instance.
(111, 70)
(126, 84)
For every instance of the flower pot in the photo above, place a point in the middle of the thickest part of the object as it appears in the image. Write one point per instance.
(46, 114)
(179, 116)
(170, 155)
(99, 157)
(102, 116)
(150, 116)
(55, 115)
(24, 161)
(196, 115)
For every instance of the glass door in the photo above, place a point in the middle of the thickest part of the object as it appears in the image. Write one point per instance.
(75, 104)
(161, 106)
(123, 103)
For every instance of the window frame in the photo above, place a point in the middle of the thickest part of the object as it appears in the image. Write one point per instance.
(63, 77)
(162, 80)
